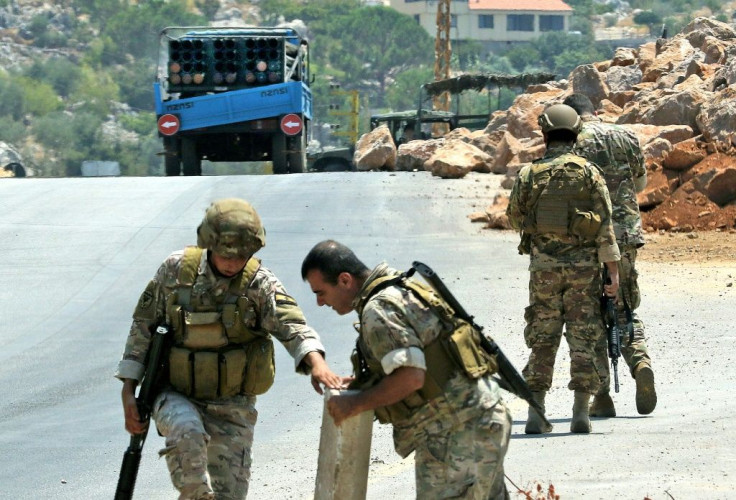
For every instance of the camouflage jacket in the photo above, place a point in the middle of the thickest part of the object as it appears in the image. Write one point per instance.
(394, 327)
(298, 338)
(616, 152)
(551, 250)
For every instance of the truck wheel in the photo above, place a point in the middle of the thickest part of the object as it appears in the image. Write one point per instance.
(298, 153)
(191, 163)
(278, 154)
(334, 165)
(172, 164)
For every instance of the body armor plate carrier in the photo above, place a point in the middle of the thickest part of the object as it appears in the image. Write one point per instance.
(560, 202)
(456, 349)
(214, 354)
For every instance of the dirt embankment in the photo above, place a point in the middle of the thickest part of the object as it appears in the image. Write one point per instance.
(701, 248)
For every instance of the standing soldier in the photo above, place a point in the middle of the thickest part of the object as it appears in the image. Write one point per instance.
(223, 307)
(456, 423)
(616, 152)
(561, 206)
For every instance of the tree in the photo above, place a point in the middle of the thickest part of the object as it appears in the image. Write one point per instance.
(647, 18)
(522, 57)
(381, 44)
(403, 93)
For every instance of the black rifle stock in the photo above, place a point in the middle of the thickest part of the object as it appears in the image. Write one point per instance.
(146, 394)
(510, 379)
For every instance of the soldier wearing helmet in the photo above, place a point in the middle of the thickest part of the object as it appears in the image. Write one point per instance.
(616, 151)
(224, 308)
(561, 206)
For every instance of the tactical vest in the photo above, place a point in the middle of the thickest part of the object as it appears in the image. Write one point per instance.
(457, 348)
(214, 354)
(560, 201)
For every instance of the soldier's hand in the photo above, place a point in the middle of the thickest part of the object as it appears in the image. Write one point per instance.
(611, 289)
(341, 408)
(133, 423)
(324, 376)
(321, 373)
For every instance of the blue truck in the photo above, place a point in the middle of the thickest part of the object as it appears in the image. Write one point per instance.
(235, 95)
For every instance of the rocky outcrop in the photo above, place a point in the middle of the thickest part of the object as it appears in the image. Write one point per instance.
(679, 96)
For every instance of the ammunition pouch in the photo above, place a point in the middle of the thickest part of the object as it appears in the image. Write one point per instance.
(465, 349)
(585, 225)
(240, 369)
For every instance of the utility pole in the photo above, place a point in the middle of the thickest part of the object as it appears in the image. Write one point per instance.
(353, 114)
(442, 53)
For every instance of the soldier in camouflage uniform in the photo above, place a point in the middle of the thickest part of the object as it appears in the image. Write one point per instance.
(615, 150)
(562, 208)
(458, 426)
(223, 308)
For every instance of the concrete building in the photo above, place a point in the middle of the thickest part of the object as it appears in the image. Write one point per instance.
(496, 23)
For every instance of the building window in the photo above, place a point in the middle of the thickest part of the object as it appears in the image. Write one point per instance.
(417, 19)
(551, 23)
(485, 21)
(453, 21)
(519, 22)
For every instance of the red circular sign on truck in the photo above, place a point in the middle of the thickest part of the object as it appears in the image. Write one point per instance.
(168, 124)
(291, 124)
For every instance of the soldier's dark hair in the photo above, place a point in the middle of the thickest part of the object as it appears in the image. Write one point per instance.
(581, 103)
(565, 136)
(332, 258)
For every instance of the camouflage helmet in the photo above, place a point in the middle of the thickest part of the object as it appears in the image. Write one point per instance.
(560, 117)
(231, 228)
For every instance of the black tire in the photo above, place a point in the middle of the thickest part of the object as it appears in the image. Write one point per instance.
(172, 162)
(297, 155)
(334, 165)
(278, 154)
(191, 163)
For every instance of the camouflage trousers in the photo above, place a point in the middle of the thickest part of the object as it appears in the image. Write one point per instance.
(467, 461)
(635, 353)
(566, 296)
(208, 444)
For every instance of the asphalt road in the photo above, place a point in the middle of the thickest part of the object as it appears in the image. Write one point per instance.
(76, 254)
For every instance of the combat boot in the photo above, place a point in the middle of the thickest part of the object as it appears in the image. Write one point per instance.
(580, 422)
(602, 406)
(646, 396)
(534, 424)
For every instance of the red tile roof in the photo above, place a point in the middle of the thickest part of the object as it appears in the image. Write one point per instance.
(536, 5)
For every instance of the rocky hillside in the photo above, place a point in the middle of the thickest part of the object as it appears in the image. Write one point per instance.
(677, 94)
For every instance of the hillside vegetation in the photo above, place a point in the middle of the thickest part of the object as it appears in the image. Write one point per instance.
(76, 75)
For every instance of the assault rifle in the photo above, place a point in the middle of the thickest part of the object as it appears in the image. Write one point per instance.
(614, 333)
(510, 379)
(146, 394)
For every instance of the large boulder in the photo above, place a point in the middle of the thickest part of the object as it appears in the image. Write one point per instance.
(717, 118)
(684, 155)
(586, 79)
(455, 159)
(667, 107)
(701, 28)
(672, 133)
(375, 150)
(674, 54)
(523, 114)
(414, 154)
(622, 78)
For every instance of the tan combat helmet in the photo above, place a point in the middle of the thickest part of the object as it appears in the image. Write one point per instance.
(560, 117)
(231, 228)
